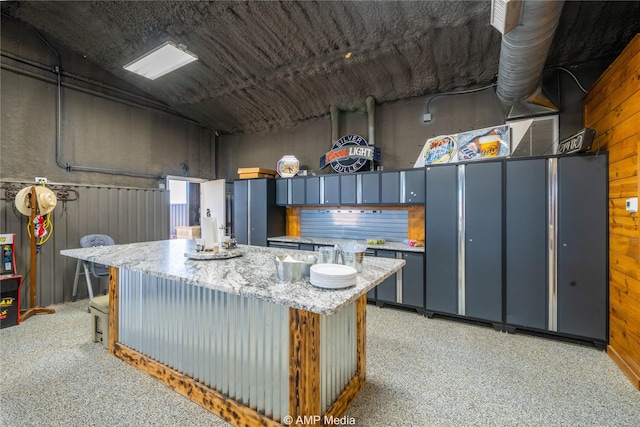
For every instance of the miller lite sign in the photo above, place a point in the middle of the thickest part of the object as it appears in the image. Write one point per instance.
(581, 141)
(349, 154)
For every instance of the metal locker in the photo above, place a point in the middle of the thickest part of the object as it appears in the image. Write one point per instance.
(441, 242)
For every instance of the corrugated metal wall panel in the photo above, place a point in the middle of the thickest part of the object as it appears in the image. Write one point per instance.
(126, 214)
(179, 216)
(392, 225)
(231, 343)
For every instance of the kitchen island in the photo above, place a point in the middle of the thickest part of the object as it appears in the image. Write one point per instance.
(231, 337)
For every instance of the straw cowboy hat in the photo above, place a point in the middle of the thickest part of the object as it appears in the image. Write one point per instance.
(46, 200)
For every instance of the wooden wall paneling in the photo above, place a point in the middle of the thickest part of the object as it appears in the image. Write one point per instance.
(304, 365)
(605, 139)
(623, 86)
(607, 83)
(627, 265)
(416, 223)
(623, 188)
(612, 108)
(625, 168)
(625, 148)
(624, 245)
(625, 108)
(625, 284)
(293, 221)
(625, 331)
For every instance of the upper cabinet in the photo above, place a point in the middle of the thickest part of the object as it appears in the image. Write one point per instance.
(365, 188)
(390, 188)
(348, 189)
(413, 181)
(369, 188)
(330, 191)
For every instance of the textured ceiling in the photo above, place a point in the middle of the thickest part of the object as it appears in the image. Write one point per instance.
(267, 65)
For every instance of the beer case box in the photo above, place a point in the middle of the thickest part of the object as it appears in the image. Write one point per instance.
(188, 232)
(9, 300)
(246, 173)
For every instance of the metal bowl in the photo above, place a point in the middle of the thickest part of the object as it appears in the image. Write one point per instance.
(293, 268)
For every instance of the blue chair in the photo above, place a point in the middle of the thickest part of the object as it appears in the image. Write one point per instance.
(91, 268)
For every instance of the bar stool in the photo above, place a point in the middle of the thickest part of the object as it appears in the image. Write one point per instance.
(91, 268)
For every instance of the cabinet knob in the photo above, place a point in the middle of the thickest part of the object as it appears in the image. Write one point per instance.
(564, 244)
(471, 240)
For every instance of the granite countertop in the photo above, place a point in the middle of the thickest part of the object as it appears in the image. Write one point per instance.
(391, 246)
(252, 275)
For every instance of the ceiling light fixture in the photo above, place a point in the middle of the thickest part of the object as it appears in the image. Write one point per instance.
(167, 57)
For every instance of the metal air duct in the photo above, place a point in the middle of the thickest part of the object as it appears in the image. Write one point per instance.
(523, 55)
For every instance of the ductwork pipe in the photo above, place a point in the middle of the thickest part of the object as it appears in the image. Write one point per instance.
(334, 124)
(523, 54)
(370, 102)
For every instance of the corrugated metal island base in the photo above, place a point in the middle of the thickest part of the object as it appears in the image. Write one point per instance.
(229, 336)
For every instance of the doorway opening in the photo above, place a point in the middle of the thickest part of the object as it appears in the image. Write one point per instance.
(193, 198)
(184, 196)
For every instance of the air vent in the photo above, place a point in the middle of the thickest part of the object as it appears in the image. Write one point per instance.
(505, 14)
(534, 137)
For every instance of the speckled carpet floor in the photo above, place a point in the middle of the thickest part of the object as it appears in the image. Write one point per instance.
(420, 372)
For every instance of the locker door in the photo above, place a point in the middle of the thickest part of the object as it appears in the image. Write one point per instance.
(241, 211)
(526, 240)
(483, 240)
(441, 239)
(582, 246)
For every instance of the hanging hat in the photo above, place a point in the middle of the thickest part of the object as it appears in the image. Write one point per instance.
(46, 200)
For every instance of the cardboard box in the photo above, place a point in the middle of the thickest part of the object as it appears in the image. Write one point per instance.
(246, 173)
(190, 232)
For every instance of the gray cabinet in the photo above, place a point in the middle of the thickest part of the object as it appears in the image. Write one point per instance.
(405, 288)
(369, 188)
(298, 191)
(283, 245)
(441, 239)
(463, 226)
(313, 190)
(282, 191)
(386, 291)
(255, 214)
(414, 182)
(413, 280)
(390, 188)
(483, 240)
(331, 189)
(526, 243)
(348, 189)
(582, 284)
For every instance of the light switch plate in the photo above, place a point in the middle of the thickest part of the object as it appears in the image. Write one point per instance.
(632, 204)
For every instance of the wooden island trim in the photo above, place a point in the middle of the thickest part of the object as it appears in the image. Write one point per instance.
(304, 369)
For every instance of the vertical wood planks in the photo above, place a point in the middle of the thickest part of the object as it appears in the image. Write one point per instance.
(612, 108)
(304, 363)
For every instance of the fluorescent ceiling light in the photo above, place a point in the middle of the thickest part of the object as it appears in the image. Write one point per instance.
(161, 60)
